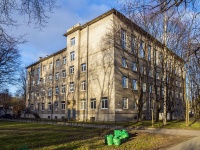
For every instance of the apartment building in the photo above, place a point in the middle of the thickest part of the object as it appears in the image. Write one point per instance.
(110, 69)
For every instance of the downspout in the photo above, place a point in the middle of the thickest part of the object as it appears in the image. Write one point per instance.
(87, 66)
(52, 89)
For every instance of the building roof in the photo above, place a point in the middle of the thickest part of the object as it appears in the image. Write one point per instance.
(47, 57)
(124, 19)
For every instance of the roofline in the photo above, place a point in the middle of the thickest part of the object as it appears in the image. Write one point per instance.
(120, 16)
(45, 58)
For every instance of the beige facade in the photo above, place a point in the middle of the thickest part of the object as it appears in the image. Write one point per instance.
(104, 74)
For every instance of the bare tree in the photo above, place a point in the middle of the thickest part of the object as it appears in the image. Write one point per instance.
(36, 12)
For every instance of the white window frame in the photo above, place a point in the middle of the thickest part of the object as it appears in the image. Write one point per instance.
(43, 107)
(71, 69)
(72, 56)
(83, 85)
(134, 83)
(63, 73)
(44, 68)
(56, 90)
(64, 60)
(50, 65)
(104, 103)
(142, 52)
(71, 87)
(93, 103)
(134, 66)
(57, 76)
(63, 89)
(72, 41)
(83, 104)
(124, 82)
(125, 103)
(124, 63)
(83, 67)
(49, 92)
(62, 105)
(57, 62)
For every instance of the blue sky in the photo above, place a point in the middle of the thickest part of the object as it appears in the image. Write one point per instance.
(50, 39)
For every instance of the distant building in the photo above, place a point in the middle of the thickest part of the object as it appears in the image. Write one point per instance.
(109, 64)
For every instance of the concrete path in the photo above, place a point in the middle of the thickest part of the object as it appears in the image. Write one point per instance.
(192, 144)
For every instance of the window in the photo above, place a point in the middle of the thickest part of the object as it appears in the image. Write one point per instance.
(63, 105)
(124, 64)
(44, 79)
(93, 103)
(42, 106)
(32, 95)
(57, 76)
(149, 53)
(134, 66)
(57, 63)
(83, 86)
(43, 93)
(49, 106)
(144, 87)
(125, 103)
(71, 87)
(72, 41)
(123, 38)
(157, 75)
(83, 104)
(134, 84)
(50, 77)
(71, 69)
(104, 103)
(176, 94)
(124, 82)
(50, 65)
(56, 90)
(157, 58)
(150, 88)
(56, 105)
(63, 73)
(151, 72)
(64, 60)
(133, 44)
(83, 67)
(144, 105)
(44, 68)
(49, 92)
(63, 88)
(141, 69)
(72, 55)
(142, 54)
(33, 82)
(135, 105)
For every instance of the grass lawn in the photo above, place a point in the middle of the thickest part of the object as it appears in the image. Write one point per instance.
(16, 135)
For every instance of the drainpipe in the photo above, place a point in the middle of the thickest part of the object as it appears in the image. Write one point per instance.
(87, 66)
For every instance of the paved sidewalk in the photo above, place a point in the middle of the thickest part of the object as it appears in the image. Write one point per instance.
(192, 144)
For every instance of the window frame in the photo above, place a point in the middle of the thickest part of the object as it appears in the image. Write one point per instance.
(123, 38)
(124, 82)
(83, 67)
(72, 41)
(104, 102)
(93, 103)
(72, 56)
(125, 103)
(71, 69)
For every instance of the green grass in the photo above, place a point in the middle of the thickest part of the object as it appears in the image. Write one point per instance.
(18, 136)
